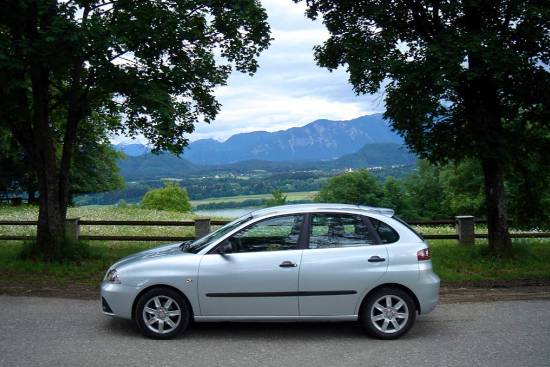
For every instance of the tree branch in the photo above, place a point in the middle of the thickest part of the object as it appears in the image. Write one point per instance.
(420, 18)
(436, 19)
(507, 16)
(74, 115)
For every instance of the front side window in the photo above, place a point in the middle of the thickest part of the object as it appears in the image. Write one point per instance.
(205, 241)
(338, 230)
(274, 234)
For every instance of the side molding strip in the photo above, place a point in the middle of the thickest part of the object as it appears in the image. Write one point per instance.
(282, 294)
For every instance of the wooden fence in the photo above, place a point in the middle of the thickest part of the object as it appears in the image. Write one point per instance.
(464, 227)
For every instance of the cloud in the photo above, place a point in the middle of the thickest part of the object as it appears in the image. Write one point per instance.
(265, 113)
(289, 88)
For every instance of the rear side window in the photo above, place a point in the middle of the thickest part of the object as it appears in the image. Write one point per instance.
(386, 233)
(338, 230)
(408, 226)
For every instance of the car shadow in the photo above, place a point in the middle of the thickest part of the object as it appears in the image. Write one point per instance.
(311, 331)
(276, 330)
(254, 330)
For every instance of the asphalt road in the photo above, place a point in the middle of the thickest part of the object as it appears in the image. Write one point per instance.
(62, 332)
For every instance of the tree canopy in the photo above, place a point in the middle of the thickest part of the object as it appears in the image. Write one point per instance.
(94, 168)
(358, 187)
(461, 79)
(155, 63)
(440, 192)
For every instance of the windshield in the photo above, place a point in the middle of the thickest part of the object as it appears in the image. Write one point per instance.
(201, 243)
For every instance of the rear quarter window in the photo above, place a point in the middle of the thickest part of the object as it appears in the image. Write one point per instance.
(386, 233)
(408, 226)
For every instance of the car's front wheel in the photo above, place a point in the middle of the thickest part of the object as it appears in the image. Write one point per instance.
(388, 313)
(162, 313)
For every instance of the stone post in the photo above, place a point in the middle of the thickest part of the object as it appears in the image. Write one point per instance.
(202, 227)
(465, 227)
(72, 229)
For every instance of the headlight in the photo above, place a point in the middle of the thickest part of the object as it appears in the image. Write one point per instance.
(112, 277)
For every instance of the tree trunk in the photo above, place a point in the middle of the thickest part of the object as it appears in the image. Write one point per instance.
(52, 212)
(31, 195)
(35, 131)
(482, 108)
(497, 219)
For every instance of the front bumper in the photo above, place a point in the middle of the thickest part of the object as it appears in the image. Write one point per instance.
(106, 308)
(117, 299)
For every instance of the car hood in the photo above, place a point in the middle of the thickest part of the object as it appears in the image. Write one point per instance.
(164, 250)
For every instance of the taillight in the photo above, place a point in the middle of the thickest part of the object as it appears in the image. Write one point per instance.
(424, 254)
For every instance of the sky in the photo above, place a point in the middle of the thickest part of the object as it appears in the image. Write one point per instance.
(288, 89)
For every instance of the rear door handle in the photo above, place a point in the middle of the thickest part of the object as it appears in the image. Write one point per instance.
(376, 259)
(287, 264)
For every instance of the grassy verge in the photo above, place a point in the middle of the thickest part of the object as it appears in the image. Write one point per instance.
(455, 263)
(89, 272)
(452, 263)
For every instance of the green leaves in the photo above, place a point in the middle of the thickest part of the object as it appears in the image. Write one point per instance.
(277, 198)
(142, 67)
(457, 77)
(447, 67)
(359, 187)
(160, 60)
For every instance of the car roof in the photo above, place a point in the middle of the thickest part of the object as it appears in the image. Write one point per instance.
(317, 207)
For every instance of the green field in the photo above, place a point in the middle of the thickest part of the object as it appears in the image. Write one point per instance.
(102, 213)
(291, 196)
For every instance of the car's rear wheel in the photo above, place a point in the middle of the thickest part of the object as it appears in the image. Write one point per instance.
(162, 313)
(388, 313)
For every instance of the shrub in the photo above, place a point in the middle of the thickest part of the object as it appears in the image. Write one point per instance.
(171, 197)
(277, 198)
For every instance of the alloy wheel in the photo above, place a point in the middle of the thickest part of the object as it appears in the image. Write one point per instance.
(389, 314)
(161, 314)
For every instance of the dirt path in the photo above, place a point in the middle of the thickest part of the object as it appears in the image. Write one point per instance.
(486, 291)
(489, 291)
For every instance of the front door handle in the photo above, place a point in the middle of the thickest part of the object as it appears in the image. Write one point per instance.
(287, 264)
(376, 259)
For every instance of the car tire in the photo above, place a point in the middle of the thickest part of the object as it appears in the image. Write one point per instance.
(162, 313)
(388, 313)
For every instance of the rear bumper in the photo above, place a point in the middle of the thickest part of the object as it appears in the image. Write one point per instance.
(117, 299)
(427, 291)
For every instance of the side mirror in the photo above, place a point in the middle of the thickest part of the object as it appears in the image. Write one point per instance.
(225, 248)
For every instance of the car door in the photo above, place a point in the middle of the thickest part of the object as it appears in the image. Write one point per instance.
(257, 274)
(343, 258)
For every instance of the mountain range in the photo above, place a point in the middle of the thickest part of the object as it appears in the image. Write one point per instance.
(318, 140)
(366, 141)
(153, 167)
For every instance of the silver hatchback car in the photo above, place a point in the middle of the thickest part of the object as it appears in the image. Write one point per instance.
(314, 262)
